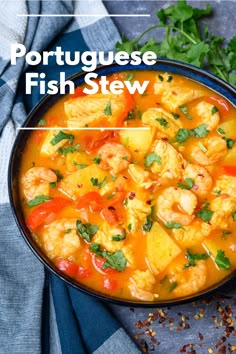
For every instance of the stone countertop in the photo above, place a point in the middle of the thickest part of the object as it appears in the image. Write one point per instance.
(207, 325)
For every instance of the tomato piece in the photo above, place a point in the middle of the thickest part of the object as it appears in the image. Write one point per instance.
(220, 103)
(228, 170)
(83, 273)
(110, 284)
(98, 264)
(67, 267)
(87, 199)
(117, 198)
(78, 92)
(98, 138)
(110, 216)
(41, 212)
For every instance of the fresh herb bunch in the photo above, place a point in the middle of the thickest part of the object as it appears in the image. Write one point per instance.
(185, 41)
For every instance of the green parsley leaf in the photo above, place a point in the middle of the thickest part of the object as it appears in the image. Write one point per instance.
(68, 231)
(192, 257)
(42, 123)
(148, 225)
(58, 174)
(234, 216)
(175, 115)
(173, 225)
(66, 150)
(107, 111)
(163, 122)
(222, 261)
(95, 182)
(205, 214)
(184, 109)
(80, 166)
(131, 115)
(61, 136)
(173, 286)
(200, 131)
(216, 191)
(170, 78)
(221, 131)
(115, 260)
(189, 185)
(129, 227)
(160, 77)
(39, 199)
(119, 237)
(86, 231)
(182, 135)
(97, 159)
(152, 157)
(53, 184)
(214, 110)
(229, 142)
(130, 77)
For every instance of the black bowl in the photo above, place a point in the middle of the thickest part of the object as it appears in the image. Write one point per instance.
(196, 74)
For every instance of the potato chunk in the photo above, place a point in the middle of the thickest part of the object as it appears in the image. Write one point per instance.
(137, 141)
(161, 249)
(79, 182)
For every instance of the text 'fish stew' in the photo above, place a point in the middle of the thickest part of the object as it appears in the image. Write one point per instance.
(147, 213)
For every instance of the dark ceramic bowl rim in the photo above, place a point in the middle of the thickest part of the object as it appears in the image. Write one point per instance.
(171, 66)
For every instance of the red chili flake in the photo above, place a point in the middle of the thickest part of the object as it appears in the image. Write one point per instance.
(80, 185)
(200, 336)
(132, 195)
(149, 202)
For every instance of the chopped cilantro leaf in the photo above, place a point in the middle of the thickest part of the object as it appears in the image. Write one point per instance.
(173, 225)
(229, 142)
(107, 111)
(175, 115)
(182, 135)
(129, 227)
(173, 286)
(39, 199)
(205, 214)
(216, 191)
(234, 216)
(66, 150)
(222, 261)
(115, 260)
(130, 77)
(86, 231)
(214, 110)
(53, 184)
(152, 157)
(184, 109)
(200, 131)
(192, 257)
(131, 115)
(61, 136)
(80, 166)
(163, 122)
(119, 237)
(148, 224)
(160, 77)
(97, 159)
(221, 131)
(95, 182)
(58, 174)
(42, 123)
(189, 185)
(169, 79)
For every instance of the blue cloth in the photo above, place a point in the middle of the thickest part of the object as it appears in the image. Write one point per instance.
(40, 313)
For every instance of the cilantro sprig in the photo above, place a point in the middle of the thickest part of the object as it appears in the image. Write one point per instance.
(185, 41)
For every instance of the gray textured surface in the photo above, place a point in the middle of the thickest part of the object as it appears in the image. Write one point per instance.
(205, 324)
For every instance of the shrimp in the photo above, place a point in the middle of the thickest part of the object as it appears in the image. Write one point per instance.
(174, 198)
(190, 235)
(60, 238)
(210, 151)
(114, 157)
(204, 111)
(190, 280)
(226, 185)
(223, 207)
(142, 283)
(36, 181)
(201, 177)
(172, 162)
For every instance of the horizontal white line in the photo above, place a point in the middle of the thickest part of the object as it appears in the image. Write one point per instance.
(83, 15)
(83, 128)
